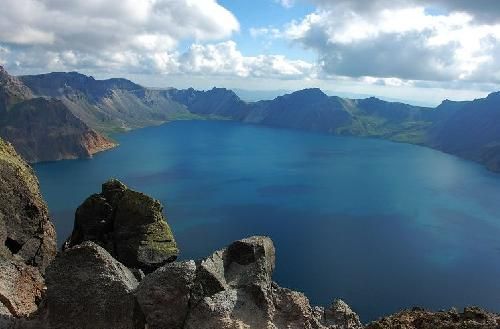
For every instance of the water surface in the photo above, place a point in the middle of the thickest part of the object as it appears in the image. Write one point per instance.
(380, 224)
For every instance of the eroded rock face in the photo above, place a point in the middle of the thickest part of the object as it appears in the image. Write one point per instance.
(232, 288)
(87, 288)
(21, 288)
(128, 224)
(470, 318)
(26, 232)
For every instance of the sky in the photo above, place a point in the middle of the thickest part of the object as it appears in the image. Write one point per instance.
(421, 51)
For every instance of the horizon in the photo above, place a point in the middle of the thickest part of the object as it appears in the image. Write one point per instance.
(249, 95)
(414, 51)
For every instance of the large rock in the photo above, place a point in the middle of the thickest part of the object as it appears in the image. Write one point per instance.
(26, 232)
(21, 289)
(128, 224)
(89, 289)
(417, 318)
(292, 310)
(232, 288)
(165, 295)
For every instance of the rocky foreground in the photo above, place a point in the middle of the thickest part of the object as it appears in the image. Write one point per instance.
(118, 269)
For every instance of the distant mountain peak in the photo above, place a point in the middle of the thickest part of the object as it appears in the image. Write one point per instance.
(494, 95)
(309, 95)
(12, 90)
(223, 92)
(310, 92)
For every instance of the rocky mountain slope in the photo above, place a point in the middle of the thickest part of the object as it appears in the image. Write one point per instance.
(469, 129)
(85, 286)
(43, 129)
(107, 105)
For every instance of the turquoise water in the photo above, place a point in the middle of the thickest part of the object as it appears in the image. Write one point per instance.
(379, 224)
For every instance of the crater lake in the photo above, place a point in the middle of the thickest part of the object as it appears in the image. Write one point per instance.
(379, 224)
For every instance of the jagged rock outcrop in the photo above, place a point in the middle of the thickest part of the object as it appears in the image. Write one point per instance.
(232, 288)
(89, 289)
(417, 318)
(26, 232)
(338, 315)
(128, 224)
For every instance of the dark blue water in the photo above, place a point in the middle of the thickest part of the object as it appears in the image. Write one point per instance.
(380, 224)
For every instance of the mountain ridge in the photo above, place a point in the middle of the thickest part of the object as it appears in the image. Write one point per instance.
(467, 129)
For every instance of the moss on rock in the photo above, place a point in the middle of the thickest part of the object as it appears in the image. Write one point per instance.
(127, 223)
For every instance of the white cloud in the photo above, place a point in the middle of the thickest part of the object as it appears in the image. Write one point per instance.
(59, 33)
(266, 32)
(402, 43)
(219, 59)
(286, 3)
(486, 11)
(128, 36)
(225, 59)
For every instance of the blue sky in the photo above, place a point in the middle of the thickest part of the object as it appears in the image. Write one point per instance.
(266, 13)
(422, 51)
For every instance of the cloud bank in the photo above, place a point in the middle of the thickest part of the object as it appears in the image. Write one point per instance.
(405, 41)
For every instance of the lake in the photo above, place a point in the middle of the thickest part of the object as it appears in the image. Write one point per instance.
(379, 224)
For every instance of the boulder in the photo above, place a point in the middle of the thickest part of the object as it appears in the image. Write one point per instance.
(128, 224)
(232, 288)
(87, 288)
(26, 232)
(164, 296)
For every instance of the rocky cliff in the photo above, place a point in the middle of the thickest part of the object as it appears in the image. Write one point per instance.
(27, 238)
(43, 129)
(26, 232)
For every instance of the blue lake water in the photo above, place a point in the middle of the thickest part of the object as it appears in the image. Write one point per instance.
(380, 224)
